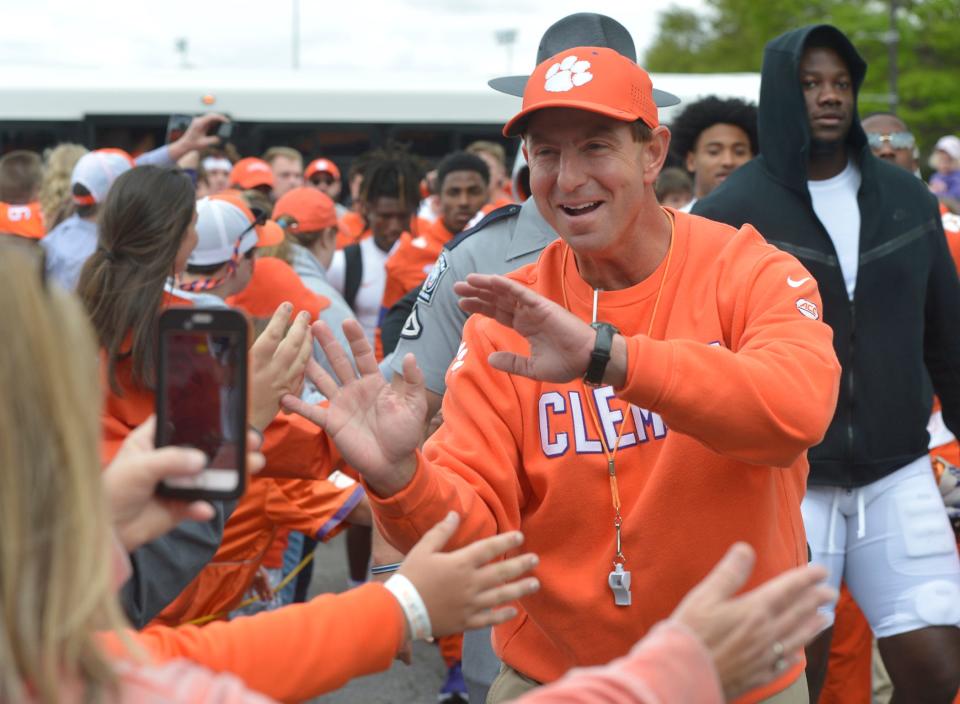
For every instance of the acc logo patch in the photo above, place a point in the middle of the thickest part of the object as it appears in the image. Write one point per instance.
(436, 273)
(808, 309)
(412, 329)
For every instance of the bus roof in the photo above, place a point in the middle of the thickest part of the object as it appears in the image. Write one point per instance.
(318, 97)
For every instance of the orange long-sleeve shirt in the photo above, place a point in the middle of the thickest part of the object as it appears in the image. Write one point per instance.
(317, 508)
(291, 654)
(738, 378)
(409, 265)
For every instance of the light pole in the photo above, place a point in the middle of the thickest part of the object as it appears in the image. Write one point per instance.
(295, 43)
(507, 38)
(182, 47)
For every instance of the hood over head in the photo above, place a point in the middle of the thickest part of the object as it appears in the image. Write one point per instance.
(783, 126)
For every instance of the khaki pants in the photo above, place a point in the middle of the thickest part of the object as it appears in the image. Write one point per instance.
(510, 685)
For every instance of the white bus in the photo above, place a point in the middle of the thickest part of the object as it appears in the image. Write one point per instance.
(335, 115)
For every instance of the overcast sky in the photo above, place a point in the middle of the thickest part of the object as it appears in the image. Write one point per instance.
(443, 36)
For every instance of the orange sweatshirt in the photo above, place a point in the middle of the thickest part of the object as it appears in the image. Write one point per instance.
(291, 654)
(737, 380)
(316, 508)
(410, 264)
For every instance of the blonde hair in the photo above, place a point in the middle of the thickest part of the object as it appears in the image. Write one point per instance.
(287, 152)
(55, 198)
(56, 587)
(483, 146)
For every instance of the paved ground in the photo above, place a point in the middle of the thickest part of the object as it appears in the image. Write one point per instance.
(402, 684)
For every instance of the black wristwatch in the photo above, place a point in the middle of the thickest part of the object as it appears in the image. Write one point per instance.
(601, 353)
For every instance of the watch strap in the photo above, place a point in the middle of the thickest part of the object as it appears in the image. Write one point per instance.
(600, 356)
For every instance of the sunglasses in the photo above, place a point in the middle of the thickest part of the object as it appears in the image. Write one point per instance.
(896, 140)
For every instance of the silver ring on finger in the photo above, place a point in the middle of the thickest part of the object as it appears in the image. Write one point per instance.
(780, 665)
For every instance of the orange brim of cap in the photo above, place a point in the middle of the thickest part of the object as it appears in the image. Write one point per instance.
(269, 234)
(517, 122)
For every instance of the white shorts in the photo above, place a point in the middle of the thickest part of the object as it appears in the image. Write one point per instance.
(892, 544)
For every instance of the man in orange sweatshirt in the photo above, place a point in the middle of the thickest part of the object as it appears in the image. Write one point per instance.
(663, 383)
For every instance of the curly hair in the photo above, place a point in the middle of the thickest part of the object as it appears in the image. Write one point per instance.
(706, 113)
(55, 198)
(392, 172)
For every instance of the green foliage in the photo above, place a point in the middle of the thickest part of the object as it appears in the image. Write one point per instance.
(731, 35)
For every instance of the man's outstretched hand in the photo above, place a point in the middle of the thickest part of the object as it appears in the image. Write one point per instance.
(560, 342)
(376, 426)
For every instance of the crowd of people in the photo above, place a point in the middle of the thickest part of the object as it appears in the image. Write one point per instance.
(657, 414)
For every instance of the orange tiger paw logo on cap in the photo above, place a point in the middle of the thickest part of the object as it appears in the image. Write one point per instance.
(566, 74)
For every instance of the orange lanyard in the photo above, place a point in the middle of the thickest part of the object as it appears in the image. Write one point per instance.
(611, 455)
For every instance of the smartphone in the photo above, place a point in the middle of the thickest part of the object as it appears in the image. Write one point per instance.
(223, 130)
(202, 398)
(176, 126)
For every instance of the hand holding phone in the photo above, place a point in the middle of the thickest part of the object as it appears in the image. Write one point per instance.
(131, 478)
(202, 398)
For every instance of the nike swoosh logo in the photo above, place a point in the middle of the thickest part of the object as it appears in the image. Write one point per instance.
(794, 284)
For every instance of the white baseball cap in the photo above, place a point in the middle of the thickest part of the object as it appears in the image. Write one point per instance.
(949, 144)
(96, 171)
(224, 230)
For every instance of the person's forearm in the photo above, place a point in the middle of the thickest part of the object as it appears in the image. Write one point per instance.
(668, 665)
(318, 646)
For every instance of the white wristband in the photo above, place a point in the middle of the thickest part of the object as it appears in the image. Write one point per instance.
(413, 607)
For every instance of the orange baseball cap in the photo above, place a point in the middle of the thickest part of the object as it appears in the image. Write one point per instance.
(321, 166)
(269, 233)
(594, 79)
(22, 220)
(251, 172)
(311, 209)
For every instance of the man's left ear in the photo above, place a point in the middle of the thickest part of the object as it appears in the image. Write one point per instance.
(655, 153)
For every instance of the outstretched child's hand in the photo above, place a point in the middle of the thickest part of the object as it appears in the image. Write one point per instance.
(464, 589)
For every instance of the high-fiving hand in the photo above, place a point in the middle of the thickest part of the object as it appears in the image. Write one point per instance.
(376, 426)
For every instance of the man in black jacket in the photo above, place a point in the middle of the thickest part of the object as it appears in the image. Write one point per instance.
(871, 235)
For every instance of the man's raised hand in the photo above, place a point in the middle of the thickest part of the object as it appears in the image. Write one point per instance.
(376, 426)
(560, 342)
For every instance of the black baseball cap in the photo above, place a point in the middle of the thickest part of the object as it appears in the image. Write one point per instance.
(581, 29)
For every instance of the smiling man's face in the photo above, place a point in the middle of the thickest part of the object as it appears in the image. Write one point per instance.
(587, 176)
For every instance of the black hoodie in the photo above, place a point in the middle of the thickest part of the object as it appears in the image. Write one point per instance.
(904, 320)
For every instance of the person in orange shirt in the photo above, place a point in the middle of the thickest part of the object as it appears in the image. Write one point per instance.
(21, 173)
(227, 232)
(148, 231)
(673, 385)
(462, 183)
